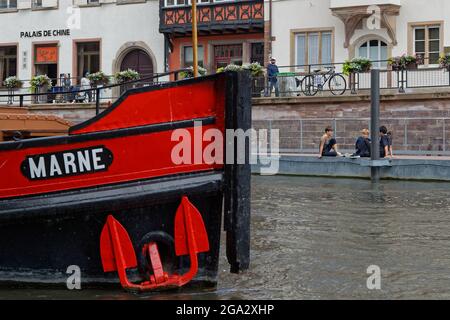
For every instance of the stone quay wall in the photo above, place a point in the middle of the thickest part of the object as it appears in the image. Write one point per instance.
(420, 122)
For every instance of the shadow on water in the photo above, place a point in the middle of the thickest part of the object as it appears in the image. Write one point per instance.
(314, 238)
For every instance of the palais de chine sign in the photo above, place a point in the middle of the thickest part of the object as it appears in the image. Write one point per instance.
(45, 33)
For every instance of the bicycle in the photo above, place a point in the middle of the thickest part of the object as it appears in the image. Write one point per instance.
(315, 82)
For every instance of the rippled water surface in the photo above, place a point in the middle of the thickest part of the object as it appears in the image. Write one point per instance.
(314, 238)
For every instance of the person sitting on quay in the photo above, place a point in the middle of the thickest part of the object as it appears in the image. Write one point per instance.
(384, 142)
(328, 145)
(272, 73)
(362, 145)
(389, 136)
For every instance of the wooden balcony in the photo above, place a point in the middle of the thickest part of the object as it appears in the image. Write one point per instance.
(241, 16)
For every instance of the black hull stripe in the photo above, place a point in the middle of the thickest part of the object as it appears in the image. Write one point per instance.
(112, 197)
(110, 134)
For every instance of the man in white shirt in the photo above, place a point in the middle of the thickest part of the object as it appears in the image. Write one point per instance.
(86, 85)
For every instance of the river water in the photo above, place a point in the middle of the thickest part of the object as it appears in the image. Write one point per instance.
(314, 238)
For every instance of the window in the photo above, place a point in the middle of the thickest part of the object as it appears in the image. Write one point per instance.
(375, 50)
(8, 4)
(44, 4)
(88, 57)
(257, 53)
(313, 48)
(188, 56)
(37, 3)
(8, 63)
(427, 42)
(171, 3)
(227, 54)
(200, 1)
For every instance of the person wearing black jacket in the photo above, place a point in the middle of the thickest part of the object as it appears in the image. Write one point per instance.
(384, 142)
(272, 73)
(363, 145)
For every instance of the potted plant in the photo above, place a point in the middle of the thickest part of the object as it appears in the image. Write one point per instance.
(410, 62)
(232, 67)
(40, 81)
(357, 65)
(126, 75)
(395, 63)
(189, 73)
(405, 62)
(257, 73)
(255, 68)
(40, 84)
(444, 61)
(98, 79)
(12, 83)
(122, 77)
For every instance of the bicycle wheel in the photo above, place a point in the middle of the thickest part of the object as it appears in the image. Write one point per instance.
(309, 86)
(337, 85)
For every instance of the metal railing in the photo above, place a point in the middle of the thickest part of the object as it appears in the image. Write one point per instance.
(411, 136)
(291, 78)
(99, 94)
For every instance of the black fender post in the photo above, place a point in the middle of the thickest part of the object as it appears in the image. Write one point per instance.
(238, 176)
(375, 123)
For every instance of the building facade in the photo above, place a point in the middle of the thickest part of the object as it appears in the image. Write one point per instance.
(331, 31)
(228, 32)
(77, 36)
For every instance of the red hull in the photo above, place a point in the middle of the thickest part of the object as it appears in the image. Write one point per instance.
(137, 131)
(56, 193)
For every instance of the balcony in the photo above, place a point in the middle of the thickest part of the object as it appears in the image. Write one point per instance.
(241, 16)
(360, 3)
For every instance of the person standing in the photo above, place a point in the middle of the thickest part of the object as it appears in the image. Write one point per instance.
(86, 85)
(66, 87)
(272, 76)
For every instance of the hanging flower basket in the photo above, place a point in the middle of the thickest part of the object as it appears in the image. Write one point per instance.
(98, 79)
(40, 81)
(444, 61)
(13, 83)
(126, 75)
(357, 65)
(405, 62)
(40, 84)
(190, 72)
(255, 68)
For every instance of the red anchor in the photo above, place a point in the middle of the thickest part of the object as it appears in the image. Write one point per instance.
(117, 252)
